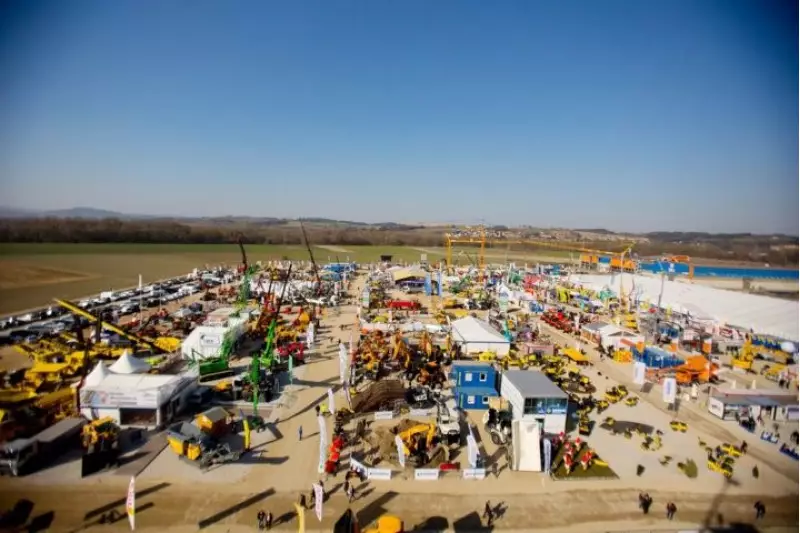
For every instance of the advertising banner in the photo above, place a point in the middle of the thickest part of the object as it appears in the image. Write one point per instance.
(379, 474)
(548, 451)
(384, 415)
(357, 466)
(474, 473)
(331, 401)
(472, 451)
(639, 371)
(318, 496)
(401, 451)
(130, 503)
(670, 390)
(426, 474)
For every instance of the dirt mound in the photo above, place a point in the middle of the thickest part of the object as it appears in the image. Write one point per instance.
(383, 395)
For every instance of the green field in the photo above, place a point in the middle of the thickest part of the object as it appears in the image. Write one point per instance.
(32, 274)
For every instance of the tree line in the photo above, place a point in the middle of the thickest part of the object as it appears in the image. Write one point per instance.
(59, 230)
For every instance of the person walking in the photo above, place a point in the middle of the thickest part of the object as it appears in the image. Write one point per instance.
(671, 509)
(261, 518)
(300, 433)
(351, 493)
(488, 514)
(302, 501)
(761, 509)
(268, 521)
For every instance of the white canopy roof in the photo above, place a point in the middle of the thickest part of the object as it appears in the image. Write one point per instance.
(470, 329)
(128, 364)
(763, 314)
(97, 375)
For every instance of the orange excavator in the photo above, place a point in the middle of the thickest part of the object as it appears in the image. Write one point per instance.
(696, 369)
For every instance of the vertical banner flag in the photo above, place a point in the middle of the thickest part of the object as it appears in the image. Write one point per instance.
(130, 503)
(428, 289)
(548, 455)
(669, 390)
(639, 370)
(310, 335)
(472, 449)
(290, 370)
(318, 495)
(401, 451)
(331, 402)
(347, 396)
(323, 442)
(440, 285)
(301, 518)
(352, 346)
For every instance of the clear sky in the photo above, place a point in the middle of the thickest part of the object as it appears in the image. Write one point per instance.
(628, 115)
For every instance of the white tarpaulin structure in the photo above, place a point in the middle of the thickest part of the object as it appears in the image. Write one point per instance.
(127, 364)
(763, 314)
(97, 375)
(477, 336)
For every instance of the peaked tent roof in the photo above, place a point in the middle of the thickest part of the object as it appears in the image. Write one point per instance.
(97, 375)
(127, 364)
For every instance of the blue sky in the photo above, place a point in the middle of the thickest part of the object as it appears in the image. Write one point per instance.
(628, 115)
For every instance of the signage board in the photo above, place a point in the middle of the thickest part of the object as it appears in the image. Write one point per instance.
(384, 415)
(379, 474)
(474, 473)
(357, 466)
(420, 412)
(426, 474)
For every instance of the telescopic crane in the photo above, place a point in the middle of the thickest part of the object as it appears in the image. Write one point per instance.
(311, 255)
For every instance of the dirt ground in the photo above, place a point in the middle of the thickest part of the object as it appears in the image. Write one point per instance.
(168, 501)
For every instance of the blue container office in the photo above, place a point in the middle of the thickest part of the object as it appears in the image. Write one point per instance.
(475, 382)
(656, 357)
(474, 397)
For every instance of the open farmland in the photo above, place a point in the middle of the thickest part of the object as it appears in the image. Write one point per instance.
(32, 274)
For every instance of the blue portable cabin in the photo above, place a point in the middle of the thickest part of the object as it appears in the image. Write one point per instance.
(474, 374)
(474, 397)
(656, 357)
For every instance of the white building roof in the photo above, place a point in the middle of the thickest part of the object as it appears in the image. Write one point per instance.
(128, 364)
(763, 314)
(470, 329)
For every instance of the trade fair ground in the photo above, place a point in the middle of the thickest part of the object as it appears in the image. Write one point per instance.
(540, 409)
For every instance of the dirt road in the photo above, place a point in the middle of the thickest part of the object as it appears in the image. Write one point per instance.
(179, 508)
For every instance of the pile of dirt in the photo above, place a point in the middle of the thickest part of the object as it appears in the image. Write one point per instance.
(383, 395)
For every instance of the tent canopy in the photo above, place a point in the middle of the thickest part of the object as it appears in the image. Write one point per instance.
(128, 364)
(97, 375)
(470, 329)
(763, 314)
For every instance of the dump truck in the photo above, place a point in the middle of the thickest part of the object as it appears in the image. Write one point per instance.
(22, 456)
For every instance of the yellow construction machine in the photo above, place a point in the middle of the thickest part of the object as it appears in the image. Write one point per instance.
(191, 444)
(101, 447)
(417, 441)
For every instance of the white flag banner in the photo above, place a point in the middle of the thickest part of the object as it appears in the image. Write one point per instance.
(472, 449)
(331, 402)
(130, 503)
(318, 496)
(401, 452)
(352, 346)
(639, 371)
(670, 390)
(347, 395)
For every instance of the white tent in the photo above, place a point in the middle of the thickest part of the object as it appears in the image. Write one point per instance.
(763, 314)
(97, 375)
(128, 364)
(477, 336)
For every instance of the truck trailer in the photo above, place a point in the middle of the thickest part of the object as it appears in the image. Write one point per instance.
(23, 456)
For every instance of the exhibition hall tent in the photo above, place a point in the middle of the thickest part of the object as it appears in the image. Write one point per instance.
(477, 336)
(763, 314)
(127, 364)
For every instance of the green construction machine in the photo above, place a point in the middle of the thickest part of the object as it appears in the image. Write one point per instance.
(218, 367)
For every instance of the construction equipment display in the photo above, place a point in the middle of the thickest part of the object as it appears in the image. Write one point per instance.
(191, 444)
(101, 446)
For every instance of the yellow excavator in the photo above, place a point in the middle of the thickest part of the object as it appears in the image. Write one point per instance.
(348, 523)
(417, 440)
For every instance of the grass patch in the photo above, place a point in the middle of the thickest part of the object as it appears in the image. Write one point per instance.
(595, 471)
